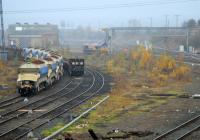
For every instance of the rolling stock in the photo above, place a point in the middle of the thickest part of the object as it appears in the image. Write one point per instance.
(74, 67)
(42, 68)
(32, 77)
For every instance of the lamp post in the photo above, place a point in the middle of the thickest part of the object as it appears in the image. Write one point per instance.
(2, 26)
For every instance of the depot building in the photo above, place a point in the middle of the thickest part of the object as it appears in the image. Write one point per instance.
(32, 35)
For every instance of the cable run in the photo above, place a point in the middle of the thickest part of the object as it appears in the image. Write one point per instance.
(101, 7)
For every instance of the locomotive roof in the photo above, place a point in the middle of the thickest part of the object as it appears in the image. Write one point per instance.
(36, 61)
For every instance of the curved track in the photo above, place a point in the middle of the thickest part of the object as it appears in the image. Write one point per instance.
(13, 100)
(76, 93)
(16, 117)
(94, 89)
(182, 130)
(12, 108)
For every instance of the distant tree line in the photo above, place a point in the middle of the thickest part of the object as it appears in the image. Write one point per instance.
(191, 23)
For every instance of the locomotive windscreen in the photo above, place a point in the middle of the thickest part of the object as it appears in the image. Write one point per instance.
(76, 62)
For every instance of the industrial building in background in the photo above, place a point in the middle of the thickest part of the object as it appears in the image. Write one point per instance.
(32, 35)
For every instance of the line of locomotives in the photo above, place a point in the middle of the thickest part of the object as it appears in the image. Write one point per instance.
(44, 67)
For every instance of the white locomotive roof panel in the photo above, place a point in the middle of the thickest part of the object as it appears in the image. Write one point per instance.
(31, 65)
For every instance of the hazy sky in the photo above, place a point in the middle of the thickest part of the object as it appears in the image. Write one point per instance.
(99, 12)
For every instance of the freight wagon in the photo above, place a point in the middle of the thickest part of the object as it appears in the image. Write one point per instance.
(42, 68)
(74, 67)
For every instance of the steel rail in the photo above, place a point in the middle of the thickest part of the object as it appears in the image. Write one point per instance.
(76, 119)
(6, 102)
(174, 51)
(9, 99)
(11, 103)
(44, 113)
(188, 133)
(45, 103)
(65, 110)
(41, 99)
(176, 128)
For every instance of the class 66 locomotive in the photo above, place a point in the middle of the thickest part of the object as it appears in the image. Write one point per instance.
(32, 77)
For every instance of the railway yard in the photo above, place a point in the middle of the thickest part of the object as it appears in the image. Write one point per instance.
(77, 81)
(19, 117)
(160, 113)
(166, 112)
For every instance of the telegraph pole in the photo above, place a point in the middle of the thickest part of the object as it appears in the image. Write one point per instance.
(168, 23)
(166, 20)
(177, 18)
(187, 39)
(2, 26)
(151, 21)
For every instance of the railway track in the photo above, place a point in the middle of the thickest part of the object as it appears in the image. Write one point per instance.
(186, 128)
(66, 100)
(72, 103)
(12, 116)
(10, 101)
(181, 131)
(4, 101)
(14, 100)
(12, 112)
(189, 58)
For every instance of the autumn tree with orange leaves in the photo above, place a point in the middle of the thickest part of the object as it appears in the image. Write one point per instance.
(165, 64)
(145, 58)
(158, 69)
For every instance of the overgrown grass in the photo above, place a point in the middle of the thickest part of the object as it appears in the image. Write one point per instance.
(8, 77)
(128, 98)
(131, 93)
(122, 102)
(49, 131)
(117, 107)
(88, 104)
